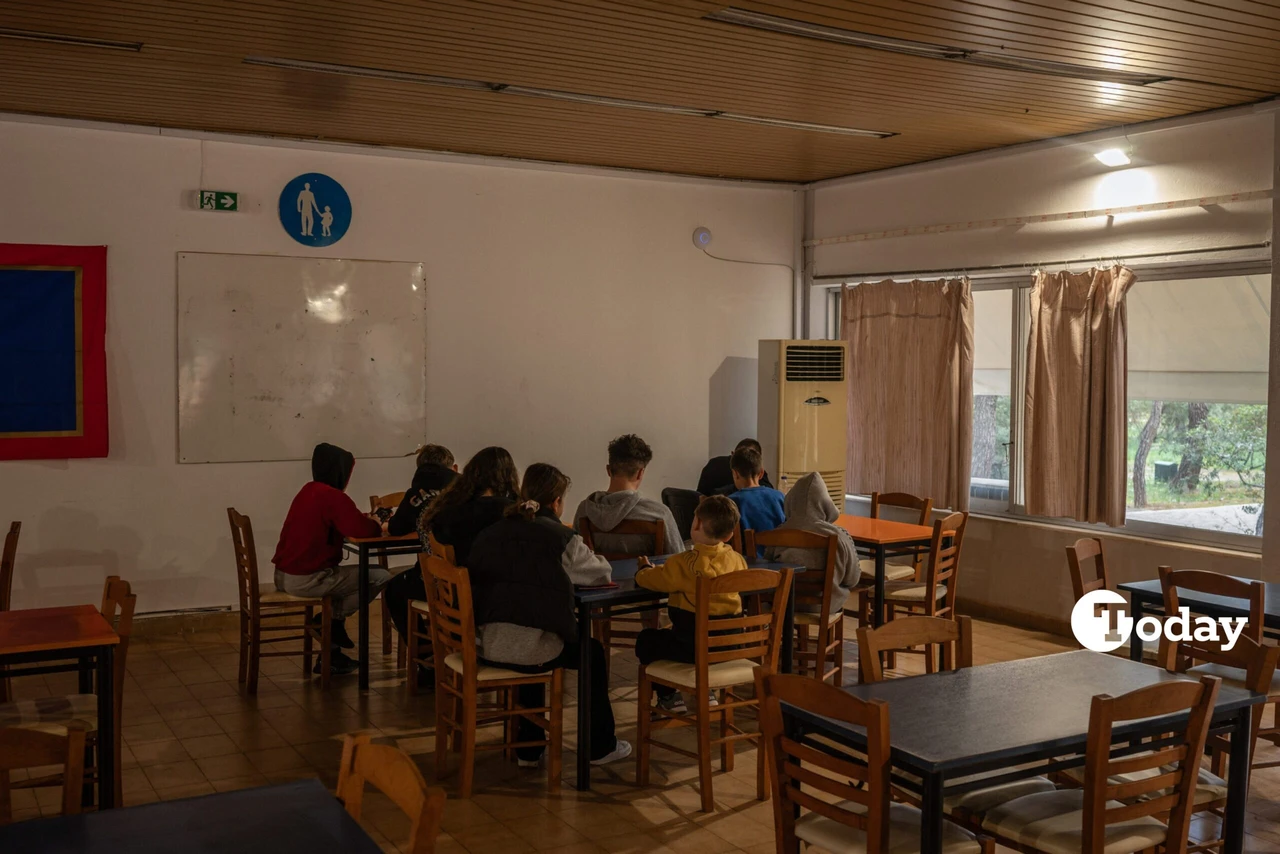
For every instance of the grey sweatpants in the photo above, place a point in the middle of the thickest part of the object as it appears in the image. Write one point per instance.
(340, 582)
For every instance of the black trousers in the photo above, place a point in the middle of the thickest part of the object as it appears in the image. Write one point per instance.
(399, 590)
(603, 738)
(673, 644)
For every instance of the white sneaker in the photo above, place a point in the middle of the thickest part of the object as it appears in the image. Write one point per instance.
(622, 751)
(713, 701)
(529, 763)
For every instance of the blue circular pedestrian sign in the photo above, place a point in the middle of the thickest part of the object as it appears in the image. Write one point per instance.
(315, 210)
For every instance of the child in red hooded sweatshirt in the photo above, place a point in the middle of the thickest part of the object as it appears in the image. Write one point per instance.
(308, 555)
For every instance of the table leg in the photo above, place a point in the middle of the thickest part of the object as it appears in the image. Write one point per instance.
(787, 652)
(85, 668)
(106, 728)
(584, 697)
(1237, 783)
(877, 616)
(362, 642)
(1136, 644)
(931, 814)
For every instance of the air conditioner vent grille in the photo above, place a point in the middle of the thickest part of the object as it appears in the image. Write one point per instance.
(814, 363)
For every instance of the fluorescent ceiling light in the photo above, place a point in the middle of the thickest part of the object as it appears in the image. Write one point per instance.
(1112, 157)
(55, 38)
(804, 29)
(554, 95)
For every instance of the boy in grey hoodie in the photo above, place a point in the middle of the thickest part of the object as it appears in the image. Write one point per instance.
(629, 455)
(809, 508)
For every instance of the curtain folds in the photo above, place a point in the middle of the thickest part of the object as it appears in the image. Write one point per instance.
(1075, 439)
(910, 388)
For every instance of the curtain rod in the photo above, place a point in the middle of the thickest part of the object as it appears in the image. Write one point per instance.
(996, 268)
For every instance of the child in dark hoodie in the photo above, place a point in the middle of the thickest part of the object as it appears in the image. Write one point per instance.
(308, 555)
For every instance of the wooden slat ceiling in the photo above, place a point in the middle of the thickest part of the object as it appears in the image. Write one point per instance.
(190, 73)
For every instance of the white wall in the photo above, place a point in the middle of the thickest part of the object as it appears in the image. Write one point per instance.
(565, 307)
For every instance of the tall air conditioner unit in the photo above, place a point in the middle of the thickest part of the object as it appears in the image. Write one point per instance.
(804, 412)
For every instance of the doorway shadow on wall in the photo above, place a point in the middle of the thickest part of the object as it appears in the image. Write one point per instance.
(732, 410)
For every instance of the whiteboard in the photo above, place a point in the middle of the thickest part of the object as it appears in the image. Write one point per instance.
(276, 354)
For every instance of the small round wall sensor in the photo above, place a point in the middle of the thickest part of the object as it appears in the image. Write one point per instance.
(702, 237)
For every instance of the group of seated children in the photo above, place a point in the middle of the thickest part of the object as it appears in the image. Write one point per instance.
(524, 562)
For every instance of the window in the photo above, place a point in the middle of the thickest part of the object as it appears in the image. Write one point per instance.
(1198, 403)
(992, 393)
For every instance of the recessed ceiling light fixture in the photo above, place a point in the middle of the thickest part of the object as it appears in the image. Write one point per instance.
(839, 35)
(1112, 157)
(77, 41)
(554, 95)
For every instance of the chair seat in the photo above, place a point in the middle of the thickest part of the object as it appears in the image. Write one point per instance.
(51, 714)
(722, 674)
(1053, 822)
(892, 571)
(904, 832)
(1233, 676)
(982, 801)
(487, 672)
(912, 592)
(420, 606)
(804, 618)
(269, 595)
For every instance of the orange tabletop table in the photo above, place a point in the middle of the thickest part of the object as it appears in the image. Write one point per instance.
(363, 547)
(56, 634)
(884, 537)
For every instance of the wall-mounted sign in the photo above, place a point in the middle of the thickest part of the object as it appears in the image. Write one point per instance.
(219, 200)
(315, 210)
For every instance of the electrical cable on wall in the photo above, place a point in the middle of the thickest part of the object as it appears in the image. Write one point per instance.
(702, 239)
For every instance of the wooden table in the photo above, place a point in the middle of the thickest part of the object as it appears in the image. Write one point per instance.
(1028, 717)
(884, 538)
(363, 547)
(57, 634)
(1148, 595)
(293, 818)
(628, 598)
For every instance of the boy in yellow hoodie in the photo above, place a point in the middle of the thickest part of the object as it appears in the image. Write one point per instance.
(714, 522)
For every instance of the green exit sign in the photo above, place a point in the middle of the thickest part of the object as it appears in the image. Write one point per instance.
(218, 200)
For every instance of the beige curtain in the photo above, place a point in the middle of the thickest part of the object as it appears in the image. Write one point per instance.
(1075, 435)
(910, 388)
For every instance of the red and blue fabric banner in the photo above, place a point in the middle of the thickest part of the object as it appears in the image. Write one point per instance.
(53, 359)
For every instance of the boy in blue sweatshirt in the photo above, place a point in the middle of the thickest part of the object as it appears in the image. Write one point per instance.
(761, 507)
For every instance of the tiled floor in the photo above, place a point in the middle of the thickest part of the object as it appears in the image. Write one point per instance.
(188, 731)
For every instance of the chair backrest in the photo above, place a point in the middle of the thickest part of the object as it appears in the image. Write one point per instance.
(944, 563)
(954, 636)
(28, 748)
(754, 636)
(1079, 555)
(393, 773)
(812, 591)
(905, 500)
(246, 561)
(453, 626)
(118, 603)
(655, 530)
(1216, 584)
(7, 558)
(390, 501)
(682, 503)
(1176, 762)
(803, 776)
(440, 550)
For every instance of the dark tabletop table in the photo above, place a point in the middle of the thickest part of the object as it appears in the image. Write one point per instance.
(1149, 596)
(1024, 718)
(363, 548)
(627, 598)
(293, 818)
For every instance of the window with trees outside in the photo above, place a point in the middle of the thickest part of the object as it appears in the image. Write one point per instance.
(992, 393)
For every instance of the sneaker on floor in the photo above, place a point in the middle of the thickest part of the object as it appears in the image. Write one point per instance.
(621, 751)
(339, 665)
(673, 703)
(338, 637)
(529, 763)
(713, 701)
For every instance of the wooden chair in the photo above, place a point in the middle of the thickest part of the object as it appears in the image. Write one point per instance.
(25, 748)
(460, 678)
(52, 715)
(607, 630)
(393, 773)
(421, 653)
(390, 501)
(1079, 554)
(896, 569)
(7, 558)
(723, 660)
(846, 796)
(1119, 815)
(952, 638)
(1215, 661)
(812, 602)
(260, 603)
(936, 596)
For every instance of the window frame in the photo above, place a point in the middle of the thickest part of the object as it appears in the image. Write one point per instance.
(1020, 283)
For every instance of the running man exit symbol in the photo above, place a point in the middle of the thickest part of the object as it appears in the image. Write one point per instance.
(217, 200)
